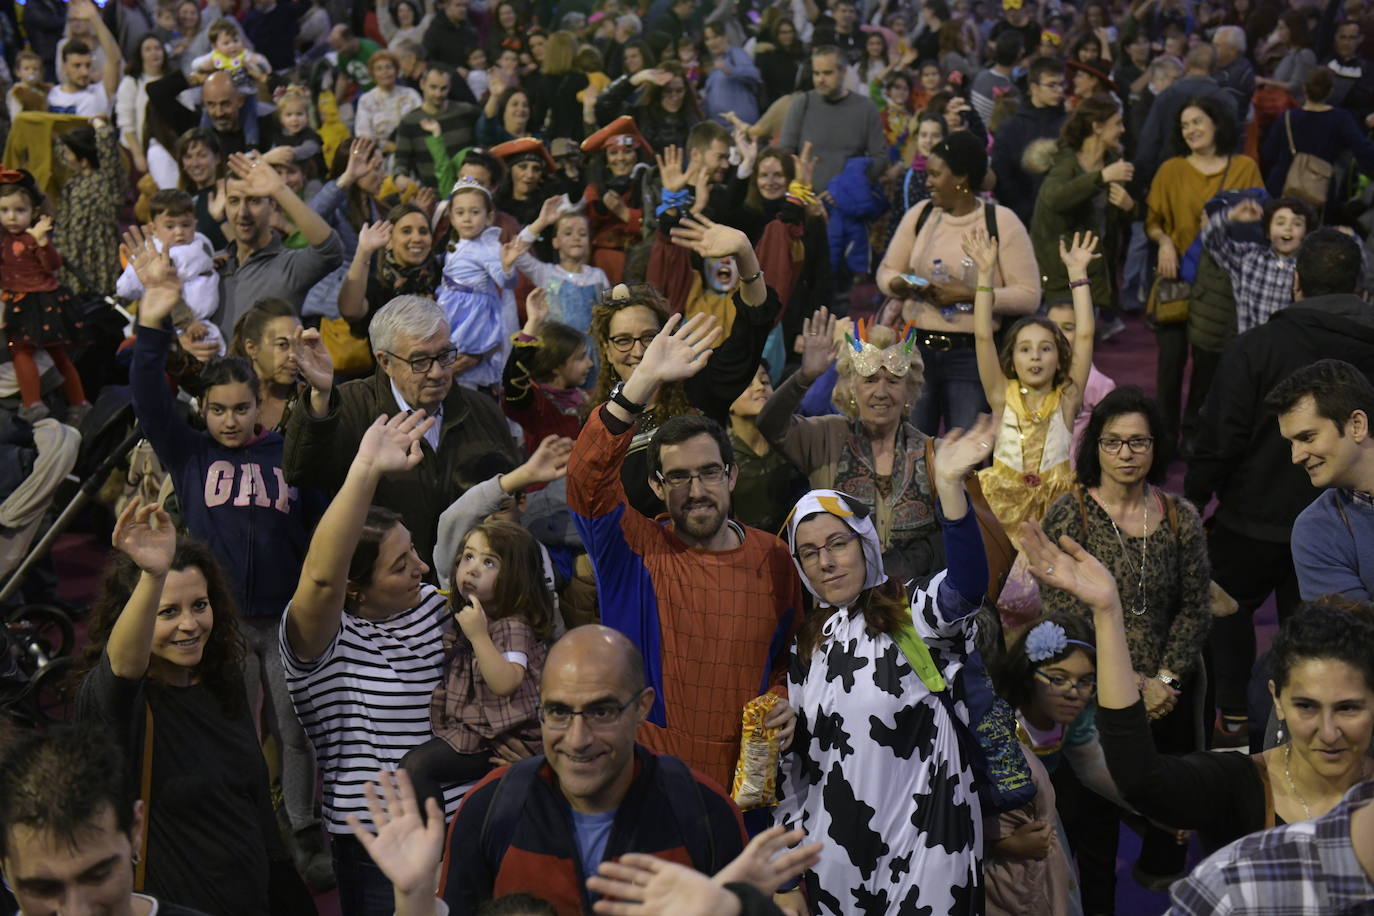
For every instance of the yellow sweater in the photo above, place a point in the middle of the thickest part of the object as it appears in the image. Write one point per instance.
(1179, 192)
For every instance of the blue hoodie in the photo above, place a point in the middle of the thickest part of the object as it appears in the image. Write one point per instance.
(236, 500)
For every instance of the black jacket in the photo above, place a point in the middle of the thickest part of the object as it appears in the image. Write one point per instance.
(1017, 188)
(1239, 455)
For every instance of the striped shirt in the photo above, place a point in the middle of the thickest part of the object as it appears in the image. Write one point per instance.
(365, 701)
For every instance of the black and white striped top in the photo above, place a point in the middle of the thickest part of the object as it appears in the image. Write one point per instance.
(365, 701)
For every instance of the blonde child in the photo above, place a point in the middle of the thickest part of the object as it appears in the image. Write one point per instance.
(39, 312)
(1034, 386)
(29, 92)
(495, 654)
(573, 285)
(477, 275)
(291, 127)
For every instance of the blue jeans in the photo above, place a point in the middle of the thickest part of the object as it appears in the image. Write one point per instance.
(1135, 284)
(952, 392)
(363, 889)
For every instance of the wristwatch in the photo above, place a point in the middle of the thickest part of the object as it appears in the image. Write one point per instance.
(618, 397)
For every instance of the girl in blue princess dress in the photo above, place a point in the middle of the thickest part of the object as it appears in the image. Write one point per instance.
(477, 274)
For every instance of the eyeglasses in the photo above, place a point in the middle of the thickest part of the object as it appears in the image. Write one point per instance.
(421, 364)
(1138, 445)
(1084, 686)
(710, 475)
(624, 343)
(833, 545)
(598, 716)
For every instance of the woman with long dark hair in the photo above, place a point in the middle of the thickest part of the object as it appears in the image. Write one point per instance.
(662, 102)
(163, 671)
(201, 162)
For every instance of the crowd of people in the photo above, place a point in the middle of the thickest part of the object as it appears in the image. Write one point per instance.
(648, 457)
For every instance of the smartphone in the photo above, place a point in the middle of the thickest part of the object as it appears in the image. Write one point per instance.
(915, 281)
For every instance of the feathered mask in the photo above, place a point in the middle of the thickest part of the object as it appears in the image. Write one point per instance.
(867, 359)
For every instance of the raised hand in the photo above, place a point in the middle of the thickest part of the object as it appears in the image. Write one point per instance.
(805, 164)
(82, 9)
(1068, 566)
(313, 361)
(279, 155)
(373, 237)
(472, 618)
(707, 237)
(536, 310)
(670, 169)
(257, 174)
(643, 885)
(512, 250)
(40, 229)
(681, 349)
(959, 451)
(550, 460)
(548, 213)
(748, 147)
(360, 154)
(392, 445)
(1079, 253)
(145, 534)
(425, 199)
(818, 344)
(153, 268)
(406, 845)
(658, 77)
(982, 248)
(764, 864)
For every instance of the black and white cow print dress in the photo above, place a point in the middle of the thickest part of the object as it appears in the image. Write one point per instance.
(876, 773)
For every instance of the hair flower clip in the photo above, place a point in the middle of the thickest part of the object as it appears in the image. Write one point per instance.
(1046, 640)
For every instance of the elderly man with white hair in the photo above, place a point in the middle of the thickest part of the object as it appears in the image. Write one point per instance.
(1234, 72)
(415, 366)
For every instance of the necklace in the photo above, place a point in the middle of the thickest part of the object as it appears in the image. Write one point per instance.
(1292, 786)
(1138, 606)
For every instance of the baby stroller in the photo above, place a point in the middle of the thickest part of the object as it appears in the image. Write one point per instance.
(35, 657)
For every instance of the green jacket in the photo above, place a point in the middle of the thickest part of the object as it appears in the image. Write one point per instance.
(1066, 204)
(1212, 307)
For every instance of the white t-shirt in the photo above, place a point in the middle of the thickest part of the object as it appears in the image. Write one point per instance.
(90, 102)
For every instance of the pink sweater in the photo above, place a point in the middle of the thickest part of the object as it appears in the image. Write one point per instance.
(1017, 279)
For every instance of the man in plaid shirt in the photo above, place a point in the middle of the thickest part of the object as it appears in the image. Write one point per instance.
(1316, 867)
(1261, 275)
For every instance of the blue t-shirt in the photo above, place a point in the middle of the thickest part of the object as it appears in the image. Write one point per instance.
(592, 831)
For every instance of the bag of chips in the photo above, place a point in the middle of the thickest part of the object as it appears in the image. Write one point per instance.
(756, 772)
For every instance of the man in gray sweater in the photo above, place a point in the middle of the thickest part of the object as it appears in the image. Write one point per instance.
(837, 123)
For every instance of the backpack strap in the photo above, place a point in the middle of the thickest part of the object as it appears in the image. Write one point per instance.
(1288, 126)
(689, 809)
(507, 802)
(922, 219)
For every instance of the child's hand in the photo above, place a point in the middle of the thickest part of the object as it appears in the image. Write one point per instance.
(198, 342)
(1080, 253)
(548, 213)
(373, 237)
(1247, 211)
(982, 248)
(512, 250)
(472, 619)
(40, 229)
(430, 126)
(550, 460)
(536, 310)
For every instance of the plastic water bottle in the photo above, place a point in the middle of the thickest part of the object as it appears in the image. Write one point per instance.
(939, 273)
(968, 271)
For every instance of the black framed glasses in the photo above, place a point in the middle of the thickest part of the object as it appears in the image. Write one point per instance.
(710, 475)
(421, 364)
(624, 343)
(598, 716)
(809, 555)
(1138, 445)
(1085, 687)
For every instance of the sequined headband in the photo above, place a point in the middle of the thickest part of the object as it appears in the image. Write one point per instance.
(868, 359)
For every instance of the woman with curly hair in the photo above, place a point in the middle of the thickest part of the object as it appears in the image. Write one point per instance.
(163, 671)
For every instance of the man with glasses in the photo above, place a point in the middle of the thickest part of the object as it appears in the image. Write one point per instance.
(543, 825)
(415, 367)
(1040, 117)
(710, 604)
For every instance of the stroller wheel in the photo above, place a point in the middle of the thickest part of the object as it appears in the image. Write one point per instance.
(42, 633)
(51, 696)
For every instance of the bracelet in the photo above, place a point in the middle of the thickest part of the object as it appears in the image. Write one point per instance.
(745, 281)
(984, 289)
(1074, 284)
